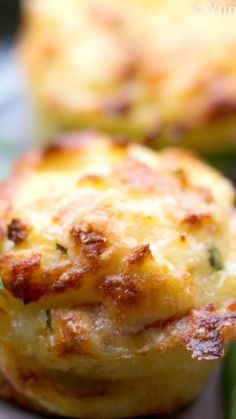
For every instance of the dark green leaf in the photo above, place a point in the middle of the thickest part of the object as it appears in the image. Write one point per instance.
(229, 382)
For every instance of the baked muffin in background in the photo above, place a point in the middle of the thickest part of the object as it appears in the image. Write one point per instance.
(158, 71)
(117, 274)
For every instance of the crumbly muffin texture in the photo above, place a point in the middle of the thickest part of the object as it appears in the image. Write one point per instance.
(117, 274)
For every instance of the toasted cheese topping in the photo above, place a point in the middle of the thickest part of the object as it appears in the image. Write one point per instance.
(138, 232)
(117, 269)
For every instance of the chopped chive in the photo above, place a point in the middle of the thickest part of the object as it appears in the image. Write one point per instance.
(61, 248)
(1, 284)
(215, 258)
(49, 319)
(180, 172)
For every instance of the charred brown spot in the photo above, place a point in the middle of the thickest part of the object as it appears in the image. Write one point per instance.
(194, 219)
(140, 254)
(232, 306)
(120, 142)
(91, 242)
(209, 331)
(220, 108)
(70, 142)
(19, 275)
(71, 278)
(27, 281)
(51, 275)
(121, 288)
(29, 379)
(71, 335)
(17, 231)
(183, 238)
(63, 276)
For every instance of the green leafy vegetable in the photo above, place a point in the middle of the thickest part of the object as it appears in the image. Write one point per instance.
(215, 258)
(1, 284)
(229, 382)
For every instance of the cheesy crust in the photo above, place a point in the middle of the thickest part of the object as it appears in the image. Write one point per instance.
(161, 72)
(118, 268)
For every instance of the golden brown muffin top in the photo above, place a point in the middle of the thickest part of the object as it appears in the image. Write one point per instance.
(88, 221)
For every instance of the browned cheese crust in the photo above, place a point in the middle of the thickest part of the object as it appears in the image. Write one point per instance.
(115, 261)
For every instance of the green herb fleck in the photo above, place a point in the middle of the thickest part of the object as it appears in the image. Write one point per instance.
(215, 258)
(1, 284)
(49, 319)
(61, 248)
(229, 382)
(180, 172)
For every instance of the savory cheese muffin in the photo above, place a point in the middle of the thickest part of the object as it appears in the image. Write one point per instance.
(159, 71)
(118, 274)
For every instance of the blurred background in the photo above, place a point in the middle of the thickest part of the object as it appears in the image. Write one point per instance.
(9, 18)
(17, 120)
(16, 112)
